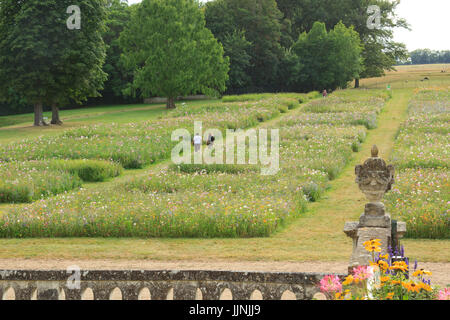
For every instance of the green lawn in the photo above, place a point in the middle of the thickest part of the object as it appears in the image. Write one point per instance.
(17, 127)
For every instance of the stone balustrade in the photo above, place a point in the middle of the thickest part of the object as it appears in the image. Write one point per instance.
(159, 285)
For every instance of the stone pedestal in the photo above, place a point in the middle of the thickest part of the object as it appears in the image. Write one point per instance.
(374, 178)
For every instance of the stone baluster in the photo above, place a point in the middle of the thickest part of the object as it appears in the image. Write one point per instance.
(374, 179)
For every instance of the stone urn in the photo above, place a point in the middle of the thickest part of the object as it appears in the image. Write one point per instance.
(374, 177)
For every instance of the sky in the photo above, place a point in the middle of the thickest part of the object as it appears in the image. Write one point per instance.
(428, 19)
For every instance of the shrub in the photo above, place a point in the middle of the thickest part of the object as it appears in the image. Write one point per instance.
(89, 170)
(23, 182)
(312, 191)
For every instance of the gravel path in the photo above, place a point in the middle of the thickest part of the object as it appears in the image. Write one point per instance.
(441, 271)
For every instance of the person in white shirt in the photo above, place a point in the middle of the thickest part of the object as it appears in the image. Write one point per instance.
(197, 142)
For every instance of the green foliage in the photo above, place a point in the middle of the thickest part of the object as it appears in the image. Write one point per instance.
(237, 47)
(329, 60)
(23, 182)
(380, 50)
(88, 170)
(346, 59)
(260, 20)
(31, 180)
(312, 191)
(171, 52)
(118, 17)
(427, 56)
(42, 60)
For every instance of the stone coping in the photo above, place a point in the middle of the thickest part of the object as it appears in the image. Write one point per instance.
(164, 275)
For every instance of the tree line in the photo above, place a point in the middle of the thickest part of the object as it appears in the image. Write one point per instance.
(123, 53)
(427, 56)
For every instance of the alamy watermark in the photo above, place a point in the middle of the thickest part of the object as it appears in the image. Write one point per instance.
(374, 20)
(234, 147)
(73, 282)
(74, 21)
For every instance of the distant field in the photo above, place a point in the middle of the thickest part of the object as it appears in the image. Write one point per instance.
(411, 77)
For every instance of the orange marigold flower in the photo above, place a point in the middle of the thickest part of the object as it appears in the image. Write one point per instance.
(390, 295)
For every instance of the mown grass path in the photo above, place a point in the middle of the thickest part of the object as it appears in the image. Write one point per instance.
(316, 236)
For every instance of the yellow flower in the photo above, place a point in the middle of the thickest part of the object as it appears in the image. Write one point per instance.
(348, 280)
(390, 295)
(425, 287)
(399, 265)
(383, 265)
(385, 257)
(411, 286)
(421, 272)
(384, 279)
(373, 242)
(373, 249)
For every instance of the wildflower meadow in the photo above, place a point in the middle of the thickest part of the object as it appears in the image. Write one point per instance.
(421, 194)
(317, 140)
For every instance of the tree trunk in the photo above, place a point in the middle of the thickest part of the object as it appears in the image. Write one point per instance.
(170, 103)
(55, 115)
(356, 83)
(39, 115)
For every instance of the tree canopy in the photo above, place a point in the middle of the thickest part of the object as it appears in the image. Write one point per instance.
(260, 22)
(117, 18)
(329, 59)
(171, 51)
(44, 61)
(380, 51)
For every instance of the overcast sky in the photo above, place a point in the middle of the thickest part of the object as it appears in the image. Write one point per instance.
(429, 20)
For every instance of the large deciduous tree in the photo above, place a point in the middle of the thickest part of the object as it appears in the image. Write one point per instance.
(329, 60)
(260, 21)
(380, 50)
(118, 17)
(46, 62)
(172, 52)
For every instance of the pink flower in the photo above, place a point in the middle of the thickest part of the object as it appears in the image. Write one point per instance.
(362, 273)
(444, 294)
(330, 284)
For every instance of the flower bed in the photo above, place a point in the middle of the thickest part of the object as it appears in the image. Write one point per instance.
(384, 279)
(421, 194)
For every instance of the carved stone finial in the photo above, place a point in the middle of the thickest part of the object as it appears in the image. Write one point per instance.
(374, 177)
(374, 151)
